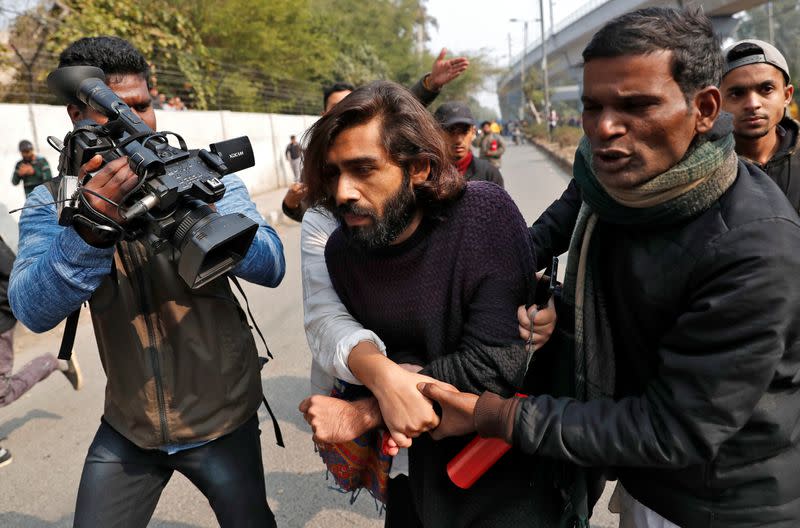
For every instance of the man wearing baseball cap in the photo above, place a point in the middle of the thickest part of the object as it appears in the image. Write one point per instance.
(755, 89)
(456, 120)
(31, 170)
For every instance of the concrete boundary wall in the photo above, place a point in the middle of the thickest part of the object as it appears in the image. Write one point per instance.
(269, 134)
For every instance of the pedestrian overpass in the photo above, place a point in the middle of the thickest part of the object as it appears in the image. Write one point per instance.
(571, 35)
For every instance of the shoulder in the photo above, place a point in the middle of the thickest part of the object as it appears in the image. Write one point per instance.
(336, 248)
(751, 222)
(486, 208)
(318, 221)
(234, 181)
(754, 197)
(484, 167)
(485, 195)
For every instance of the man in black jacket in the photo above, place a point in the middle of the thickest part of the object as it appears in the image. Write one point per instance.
(756, 90)
(679, 314)
(459, 126)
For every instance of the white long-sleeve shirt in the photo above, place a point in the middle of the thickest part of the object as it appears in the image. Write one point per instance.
(330, 329)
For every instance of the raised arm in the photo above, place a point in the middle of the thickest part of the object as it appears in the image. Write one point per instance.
(442, 72)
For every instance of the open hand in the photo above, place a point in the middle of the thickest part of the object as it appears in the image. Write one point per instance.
(294, 196)
(445, 70)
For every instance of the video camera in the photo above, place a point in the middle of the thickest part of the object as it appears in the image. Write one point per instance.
(169, 205)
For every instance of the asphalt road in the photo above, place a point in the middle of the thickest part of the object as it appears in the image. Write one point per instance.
(50, 428)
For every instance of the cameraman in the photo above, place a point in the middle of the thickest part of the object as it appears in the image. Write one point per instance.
(183, 374)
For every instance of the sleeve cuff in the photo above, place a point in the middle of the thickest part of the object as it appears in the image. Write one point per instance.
(494, 416)
(343, 348)
(79, 252)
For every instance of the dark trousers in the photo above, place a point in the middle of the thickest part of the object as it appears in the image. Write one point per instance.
(121, 483)
(400, 510)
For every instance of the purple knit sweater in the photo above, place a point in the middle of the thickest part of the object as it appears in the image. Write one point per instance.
(446, 299)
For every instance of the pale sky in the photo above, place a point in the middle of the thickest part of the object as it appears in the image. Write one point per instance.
(471, 25)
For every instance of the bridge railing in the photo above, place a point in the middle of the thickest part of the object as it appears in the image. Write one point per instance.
(573, 17)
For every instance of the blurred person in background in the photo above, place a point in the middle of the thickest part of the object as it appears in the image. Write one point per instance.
(31, 170)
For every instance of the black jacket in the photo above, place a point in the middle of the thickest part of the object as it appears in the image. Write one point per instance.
(7, 319)
(482, 170)
(784, 166)
(703, 428)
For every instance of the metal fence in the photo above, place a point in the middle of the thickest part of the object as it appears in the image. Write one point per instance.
(217, 87)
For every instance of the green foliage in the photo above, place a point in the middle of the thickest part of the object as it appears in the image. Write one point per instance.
(273, 55)
(159, 29)
(567, 136)
(537, 131)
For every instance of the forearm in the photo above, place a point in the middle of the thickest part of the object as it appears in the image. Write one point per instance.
(476, 368)
(606, 433)
(330, 329)
(264, 262)
(370, 366)
(422, 93)
(370, 413)
(295, 213)
(53, 277)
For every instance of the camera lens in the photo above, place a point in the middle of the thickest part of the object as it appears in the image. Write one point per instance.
(210, 244)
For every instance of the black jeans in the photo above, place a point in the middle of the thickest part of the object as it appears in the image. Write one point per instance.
(121, 483)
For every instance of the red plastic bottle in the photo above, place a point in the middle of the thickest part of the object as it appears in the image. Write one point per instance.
(476, 458)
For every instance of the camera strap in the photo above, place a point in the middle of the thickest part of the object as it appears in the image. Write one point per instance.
(262, 360)
(70, 329)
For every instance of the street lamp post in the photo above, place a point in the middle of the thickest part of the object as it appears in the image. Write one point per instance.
(544, 64)
(509, 51)
(522, 61)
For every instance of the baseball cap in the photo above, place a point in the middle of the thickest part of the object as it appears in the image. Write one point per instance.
(453, 113)
(753, 51)
(25, 145)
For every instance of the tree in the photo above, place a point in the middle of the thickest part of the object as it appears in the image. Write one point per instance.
(160, 30)
(267, 56)
(785, 24)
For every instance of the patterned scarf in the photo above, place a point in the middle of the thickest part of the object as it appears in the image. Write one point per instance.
(687, 189)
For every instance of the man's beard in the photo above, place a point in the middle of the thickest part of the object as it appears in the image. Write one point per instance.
(397, 215)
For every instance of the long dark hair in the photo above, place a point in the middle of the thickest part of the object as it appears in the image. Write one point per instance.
(410, 136)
